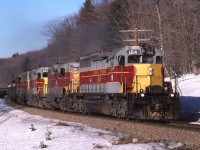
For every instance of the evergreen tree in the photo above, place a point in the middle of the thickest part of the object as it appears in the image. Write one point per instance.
(15, 55)
(87, 13)
(118, 14)
(119, 19)
(25, 65)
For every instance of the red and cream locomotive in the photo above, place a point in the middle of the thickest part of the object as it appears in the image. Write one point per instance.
(126, 82)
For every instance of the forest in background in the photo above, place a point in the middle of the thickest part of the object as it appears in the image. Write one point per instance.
(95, 28)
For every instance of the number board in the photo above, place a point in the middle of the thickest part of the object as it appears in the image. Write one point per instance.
(133, 51)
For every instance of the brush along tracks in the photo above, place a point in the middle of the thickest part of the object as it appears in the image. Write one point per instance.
(142, 130)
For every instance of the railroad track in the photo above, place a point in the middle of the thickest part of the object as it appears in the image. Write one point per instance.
(185, 125)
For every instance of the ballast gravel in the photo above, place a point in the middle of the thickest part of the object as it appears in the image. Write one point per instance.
(142, 131)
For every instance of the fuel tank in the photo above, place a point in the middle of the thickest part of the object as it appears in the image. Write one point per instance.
(98, 106)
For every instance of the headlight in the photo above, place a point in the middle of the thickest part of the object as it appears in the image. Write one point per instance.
(150, 71)
(172, 95)
(142, 94)
(165, 88)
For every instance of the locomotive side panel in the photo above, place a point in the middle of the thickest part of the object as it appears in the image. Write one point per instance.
(38, 86)
(23, 87)
(63, 79)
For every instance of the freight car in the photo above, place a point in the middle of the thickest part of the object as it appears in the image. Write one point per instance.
(125, 82)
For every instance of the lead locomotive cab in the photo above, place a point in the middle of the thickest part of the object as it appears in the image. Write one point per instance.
(149, 97)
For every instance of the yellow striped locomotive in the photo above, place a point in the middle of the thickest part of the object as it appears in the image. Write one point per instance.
(126, 82)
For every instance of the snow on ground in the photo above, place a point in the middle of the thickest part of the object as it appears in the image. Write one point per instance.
(16, 127)
(189, 86)
(22, 131)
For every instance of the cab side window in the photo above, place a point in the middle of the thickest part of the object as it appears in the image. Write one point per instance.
(45, 74)
(121, 60)
(62, 71)
(38, 75)
(159, 59)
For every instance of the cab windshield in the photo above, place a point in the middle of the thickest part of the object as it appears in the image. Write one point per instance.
(147, 59)
(134, 59)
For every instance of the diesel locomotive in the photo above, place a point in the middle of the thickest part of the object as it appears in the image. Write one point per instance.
(127, 82)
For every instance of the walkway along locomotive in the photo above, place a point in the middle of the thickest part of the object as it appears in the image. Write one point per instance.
(126, 82)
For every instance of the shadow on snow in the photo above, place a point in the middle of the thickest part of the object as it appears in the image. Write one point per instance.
(190, 108)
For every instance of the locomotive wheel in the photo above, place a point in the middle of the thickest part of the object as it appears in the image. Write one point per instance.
(75, 106)
(63, 108)
(82, 110)
(127, 116)
(62, 105)
(146, 112)
(171, 113)
(118, 114)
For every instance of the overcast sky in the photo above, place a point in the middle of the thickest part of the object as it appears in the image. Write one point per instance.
(21, 22)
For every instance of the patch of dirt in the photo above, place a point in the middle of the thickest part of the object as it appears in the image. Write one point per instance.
(62, 124)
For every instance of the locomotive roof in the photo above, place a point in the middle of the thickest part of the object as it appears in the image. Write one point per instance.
(108, 54)
(112, 53)
(56, 66)
(41, 69)
(142, 49)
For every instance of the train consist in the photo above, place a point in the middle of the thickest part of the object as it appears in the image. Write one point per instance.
(127, 82)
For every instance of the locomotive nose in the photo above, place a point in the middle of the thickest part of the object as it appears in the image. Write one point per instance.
(148, 77)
